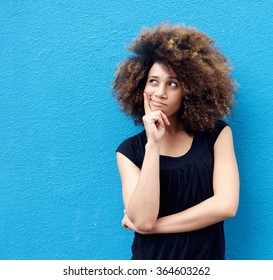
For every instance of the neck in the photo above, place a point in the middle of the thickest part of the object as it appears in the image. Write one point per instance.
(175, 126)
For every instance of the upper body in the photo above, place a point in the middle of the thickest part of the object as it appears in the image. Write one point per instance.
(185, 181)
(169, 133)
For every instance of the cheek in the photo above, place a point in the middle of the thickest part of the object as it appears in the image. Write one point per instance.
(176, 104)
(148, 89)
(177, 101)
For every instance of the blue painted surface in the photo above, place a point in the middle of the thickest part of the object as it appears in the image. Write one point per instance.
(60, 192)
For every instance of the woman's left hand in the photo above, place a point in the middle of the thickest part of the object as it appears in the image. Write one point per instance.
(127, 224)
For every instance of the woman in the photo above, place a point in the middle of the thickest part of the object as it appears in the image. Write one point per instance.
(179, 175)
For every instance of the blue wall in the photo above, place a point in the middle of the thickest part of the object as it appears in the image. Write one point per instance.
(60, 192)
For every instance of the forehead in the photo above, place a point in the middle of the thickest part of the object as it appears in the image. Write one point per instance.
(161, 69)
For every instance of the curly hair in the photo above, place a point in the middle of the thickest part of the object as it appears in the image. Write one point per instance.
(202, 69)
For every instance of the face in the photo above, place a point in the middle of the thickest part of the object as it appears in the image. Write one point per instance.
(164, 91)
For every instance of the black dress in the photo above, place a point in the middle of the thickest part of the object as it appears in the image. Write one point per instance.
(184, 182)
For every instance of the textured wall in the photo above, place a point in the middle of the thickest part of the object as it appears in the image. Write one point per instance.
(60, 192)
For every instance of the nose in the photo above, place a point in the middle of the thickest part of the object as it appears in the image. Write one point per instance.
(161, 92)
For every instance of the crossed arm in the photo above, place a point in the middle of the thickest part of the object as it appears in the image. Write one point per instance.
(142, 203)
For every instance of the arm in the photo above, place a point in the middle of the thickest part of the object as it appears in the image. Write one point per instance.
(222, 205)
(140, 188)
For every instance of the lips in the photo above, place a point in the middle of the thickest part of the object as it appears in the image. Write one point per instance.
(157, 103)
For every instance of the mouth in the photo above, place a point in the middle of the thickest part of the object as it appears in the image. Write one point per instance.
(157, 103)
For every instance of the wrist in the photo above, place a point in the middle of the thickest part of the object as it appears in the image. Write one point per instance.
(152, 146)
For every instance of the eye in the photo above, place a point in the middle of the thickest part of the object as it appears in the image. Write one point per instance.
(153, 81)
(173, 84)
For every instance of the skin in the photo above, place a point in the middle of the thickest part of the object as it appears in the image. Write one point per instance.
(165, 136)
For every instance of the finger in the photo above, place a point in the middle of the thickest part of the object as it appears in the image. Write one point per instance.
(147, 108)
(123, 223)
(156, 119)
(160, 119)
(160, 122)
(126, 227)
(165, 119)
(127, 224)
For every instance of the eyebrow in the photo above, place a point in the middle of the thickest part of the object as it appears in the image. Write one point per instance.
(169, 77)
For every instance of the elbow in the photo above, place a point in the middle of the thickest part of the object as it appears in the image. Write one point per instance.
(230, 211)
(142, 221)
(226, 206)
(144, 226)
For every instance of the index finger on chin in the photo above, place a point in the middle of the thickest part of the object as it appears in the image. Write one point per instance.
(147, 108)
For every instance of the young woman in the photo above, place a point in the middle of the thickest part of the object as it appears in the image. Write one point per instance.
(179, 175)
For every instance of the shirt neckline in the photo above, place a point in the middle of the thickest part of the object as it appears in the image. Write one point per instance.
(184, 155)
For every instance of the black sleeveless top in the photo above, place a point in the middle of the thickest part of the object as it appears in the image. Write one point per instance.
(184, 182)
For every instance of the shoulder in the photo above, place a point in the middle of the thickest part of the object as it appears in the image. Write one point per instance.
(214, 133)
(210, 136)
(134, 141)
(220, 125)
(134, 148)
(224, 139)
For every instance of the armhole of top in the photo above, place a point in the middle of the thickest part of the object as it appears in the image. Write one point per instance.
(216, 132)
(126, 149)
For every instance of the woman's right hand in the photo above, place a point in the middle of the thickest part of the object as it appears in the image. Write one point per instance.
(154, 122)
